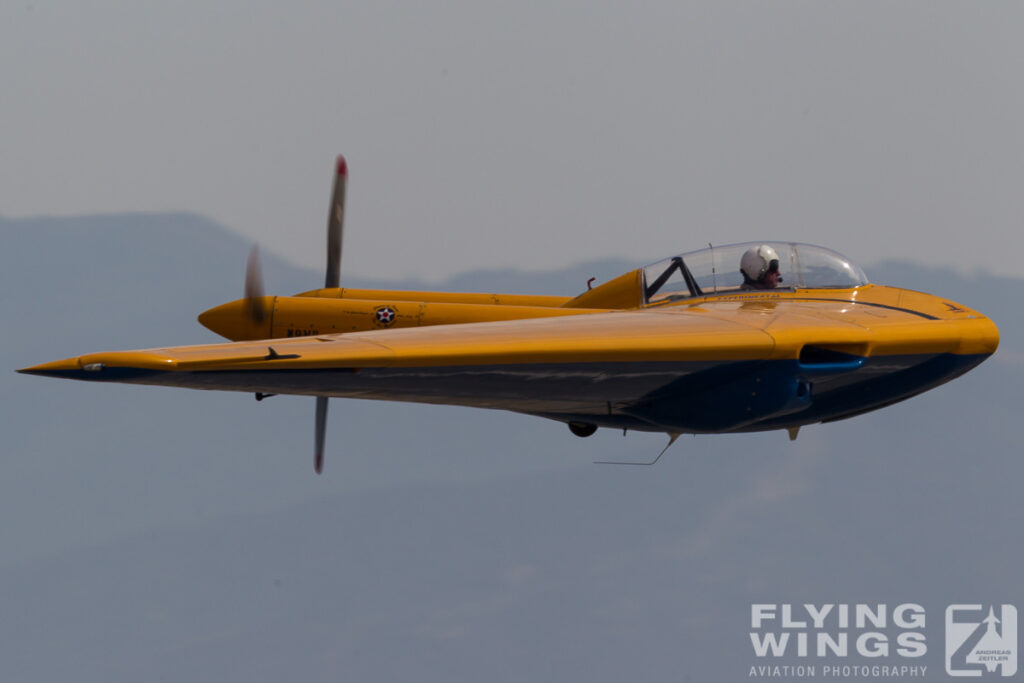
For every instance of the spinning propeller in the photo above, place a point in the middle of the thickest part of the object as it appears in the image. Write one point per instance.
(256, 303)
(335, 226)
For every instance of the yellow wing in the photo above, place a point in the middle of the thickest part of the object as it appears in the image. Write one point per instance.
(712, 366)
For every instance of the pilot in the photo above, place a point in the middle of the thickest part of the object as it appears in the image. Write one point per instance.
(760, 268)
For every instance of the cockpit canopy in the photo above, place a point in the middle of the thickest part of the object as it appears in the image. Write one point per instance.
(716, 270)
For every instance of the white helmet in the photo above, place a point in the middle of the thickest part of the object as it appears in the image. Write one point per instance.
(757, 261)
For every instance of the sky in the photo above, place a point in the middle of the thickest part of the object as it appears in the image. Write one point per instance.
(162, 534)
(534, 135)
(484, 135)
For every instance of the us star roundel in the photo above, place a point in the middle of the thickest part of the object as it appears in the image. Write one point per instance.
(385, 315)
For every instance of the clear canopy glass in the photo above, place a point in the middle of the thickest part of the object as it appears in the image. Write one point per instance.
(716, 270)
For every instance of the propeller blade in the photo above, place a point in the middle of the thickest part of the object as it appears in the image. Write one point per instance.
(321, 430)
(332, 278)
(336, 224)
(254, 287)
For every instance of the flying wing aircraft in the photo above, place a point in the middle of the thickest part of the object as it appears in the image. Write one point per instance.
(744, 337)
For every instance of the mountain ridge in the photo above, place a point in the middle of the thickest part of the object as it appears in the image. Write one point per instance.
(155, 533)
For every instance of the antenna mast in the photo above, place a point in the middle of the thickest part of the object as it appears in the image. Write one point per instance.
(714, 275)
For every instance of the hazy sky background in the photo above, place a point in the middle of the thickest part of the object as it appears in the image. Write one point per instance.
(182, 535)
(161, 534)
(485, 134)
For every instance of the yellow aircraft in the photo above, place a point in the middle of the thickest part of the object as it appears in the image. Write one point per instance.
(738, 338)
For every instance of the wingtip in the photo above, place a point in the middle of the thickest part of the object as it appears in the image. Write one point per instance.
(53, 369)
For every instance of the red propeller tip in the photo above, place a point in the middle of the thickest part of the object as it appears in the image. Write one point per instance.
(342, 166)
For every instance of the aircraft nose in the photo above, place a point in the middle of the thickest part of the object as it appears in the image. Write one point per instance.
(989, 336)
(980, 336)
(237, 320)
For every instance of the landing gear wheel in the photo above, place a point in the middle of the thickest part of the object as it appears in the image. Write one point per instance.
(582, 428)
